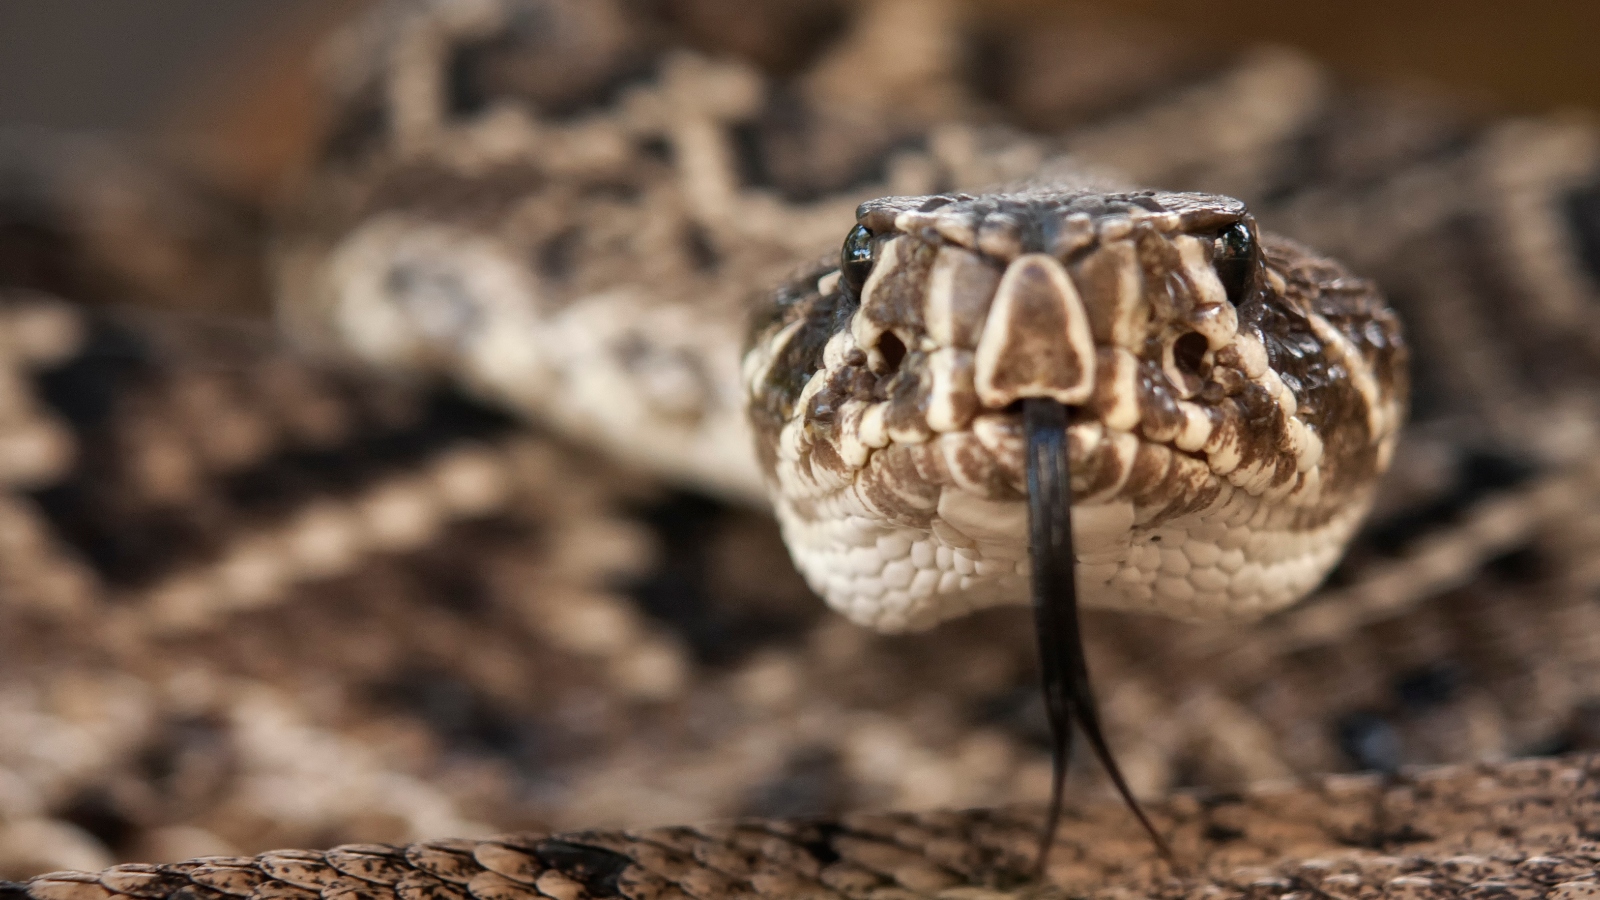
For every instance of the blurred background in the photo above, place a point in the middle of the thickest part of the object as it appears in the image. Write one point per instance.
(228, 82)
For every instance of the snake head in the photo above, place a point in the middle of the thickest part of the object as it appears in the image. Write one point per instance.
(1232, 399)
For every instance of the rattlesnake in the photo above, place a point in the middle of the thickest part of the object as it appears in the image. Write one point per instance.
(470, 188)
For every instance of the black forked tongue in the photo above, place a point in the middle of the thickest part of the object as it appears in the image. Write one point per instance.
(1068, 697)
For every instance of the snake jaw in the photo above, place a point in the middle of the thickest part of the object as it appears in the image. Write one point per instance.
(1233, 399)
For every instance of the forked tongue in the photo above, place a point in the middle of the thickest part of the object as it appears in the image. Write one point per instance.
(1068, 697)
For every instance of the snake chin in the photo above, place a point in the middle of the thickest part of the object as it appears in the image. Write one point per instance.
(1230, 407)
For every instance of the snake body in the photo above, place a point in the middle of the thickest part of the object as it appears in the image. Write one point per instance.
(569, 209)
(1280, 842)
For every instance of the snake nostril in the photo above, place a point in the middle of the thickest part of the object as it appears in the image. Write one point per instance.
(893, 351)
(1189, 353)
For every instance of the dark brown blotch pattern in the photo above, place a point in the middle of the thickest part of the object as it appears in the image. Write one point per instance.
(1329, 400)
(771, 404)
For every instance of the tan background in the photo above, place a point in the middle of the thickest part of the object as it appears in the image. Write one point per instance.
(229, 76)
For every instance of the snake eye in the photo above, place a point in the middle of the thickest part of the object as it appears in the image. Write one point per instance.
(855, 259)
(1234, 256)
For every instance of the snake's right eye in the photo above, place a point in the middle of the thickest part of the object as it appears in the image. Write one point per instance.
(1236, 258)
(855, 259)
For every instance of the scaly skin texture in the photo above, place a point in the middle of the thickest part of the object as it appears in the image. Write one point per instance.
(180, 678)
(1520, 831)
(1234, 405)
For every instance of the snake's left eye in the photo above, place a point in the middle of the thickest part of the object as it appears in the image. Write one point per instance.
(855, 259)
(1235, 257)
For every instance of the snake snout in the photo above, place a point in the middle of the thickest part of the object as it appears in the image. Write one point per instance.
(952, 332)
(951, 335)
(1036, 341)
